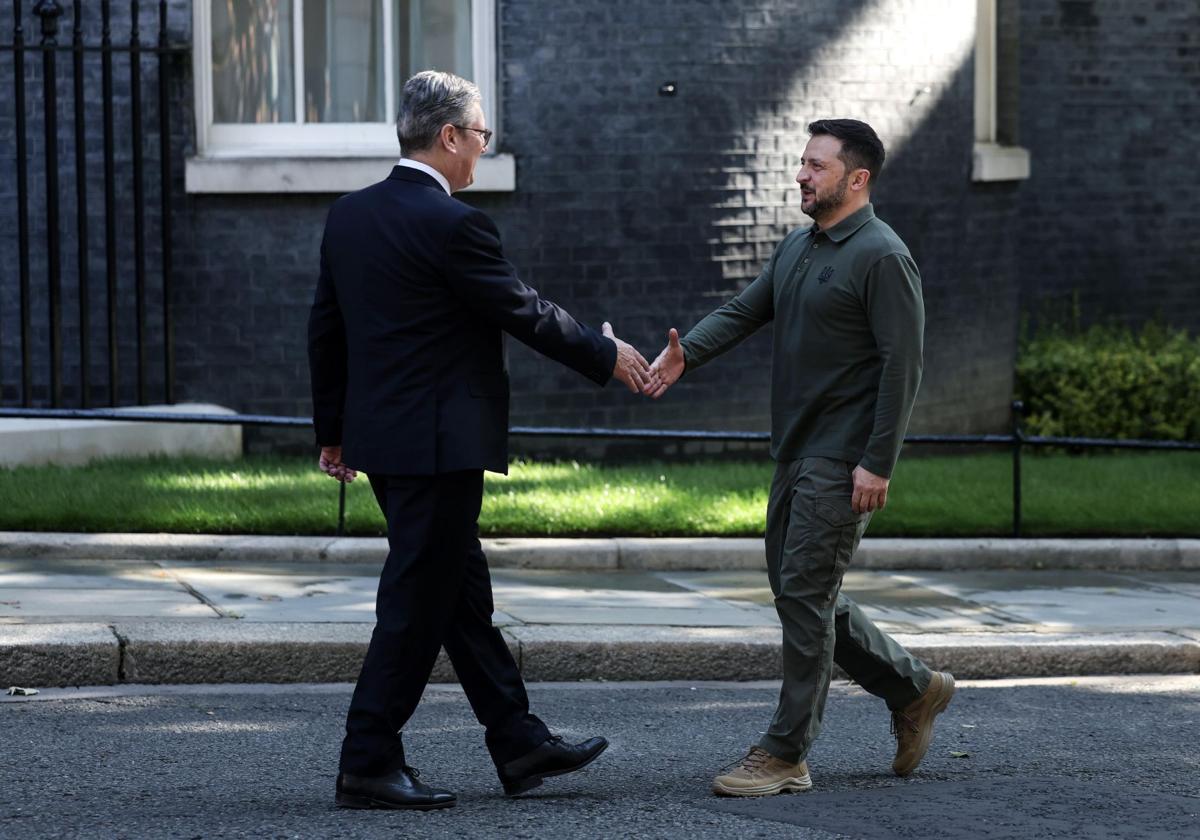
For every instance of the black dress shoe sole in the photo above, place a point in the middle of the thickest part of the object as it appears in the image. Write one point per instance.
(530, 782)
(350, 800)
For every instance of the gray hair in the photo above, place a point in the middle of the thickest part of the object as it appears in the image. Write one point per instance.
(429, 101)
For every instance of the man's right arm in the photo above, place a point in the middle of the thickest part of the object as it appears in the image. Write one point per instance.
(725, 328)
(730, 325)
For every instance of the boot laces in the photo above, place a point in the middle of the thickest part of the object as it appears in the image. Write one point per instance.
(752, 761)
(902, 724)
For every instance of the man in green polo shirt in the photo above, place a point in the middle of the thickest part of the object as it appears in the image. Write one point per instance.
(845, 297)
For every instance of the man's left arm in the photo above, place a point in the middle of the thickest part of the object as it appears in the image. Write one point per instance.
(896, 313)
(487, 283)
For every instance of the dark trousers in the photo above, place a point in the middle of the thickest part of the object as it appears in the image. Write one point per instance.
(434, 592)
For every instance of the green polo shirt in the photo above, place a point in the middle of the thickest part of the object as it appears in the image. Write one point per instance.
(849, 324)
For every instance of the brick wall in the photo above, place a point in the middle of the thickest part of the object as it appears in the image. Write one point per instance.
(1109, 107)
(649, 211)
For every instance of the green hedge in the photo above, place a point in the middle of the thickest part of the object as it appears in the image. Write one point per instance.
(1111, 382)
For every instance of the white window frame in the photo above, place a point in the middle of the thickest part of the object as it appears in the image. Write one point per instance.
(991, 161)
(322, 157)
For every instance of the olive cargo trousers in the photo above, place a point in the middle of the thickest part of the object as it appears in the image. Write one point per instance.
(812, 534)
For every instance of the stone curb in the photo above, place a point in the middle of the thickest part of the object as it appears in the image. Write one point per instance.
(206, 651)
(664, 554)
(58, 654)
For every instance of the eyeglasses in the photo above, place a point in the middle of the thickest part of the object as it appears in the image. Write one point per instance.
(485, 133)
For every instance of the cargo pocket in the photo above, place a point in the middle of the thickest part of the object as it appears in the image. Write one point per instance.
(844, 528)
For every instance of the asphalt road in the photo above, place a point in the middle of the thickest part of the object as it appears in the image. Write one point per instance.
(1087, 758)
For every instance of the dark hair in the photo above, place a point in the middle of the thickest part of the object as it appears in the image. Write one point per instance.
(861, 146)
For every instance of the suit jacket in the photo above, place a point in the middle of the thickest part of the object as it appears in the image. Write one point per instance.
(405, 343)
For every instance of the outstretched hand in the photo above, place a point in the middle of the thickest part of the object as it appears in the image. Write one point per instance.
(669, 365)
(331, 464)
(631, 367)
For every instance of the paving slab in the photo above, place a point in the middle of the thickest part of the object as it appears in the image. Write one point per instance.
(566, 580)
(57, 572)
(58, 654)
(894, 601)
(614, 598)
(105, 603)
(1181, 582)
(1074, 600)
(66, 590)
(264, 595)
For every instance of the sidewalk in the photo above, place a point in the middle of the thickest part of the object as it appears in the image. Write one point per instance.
(92, 622)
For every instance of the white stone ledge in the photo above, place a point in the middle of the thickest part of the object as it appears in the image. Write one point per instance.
(300, 174)
(28, 442)
(992, 162)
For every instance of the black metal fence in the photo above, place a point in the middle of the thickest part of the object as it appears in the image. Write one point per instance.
(1016, 441)
(46, 15)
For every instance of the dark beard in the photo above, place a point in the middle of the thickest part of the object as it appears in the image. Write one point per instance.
(824, 205)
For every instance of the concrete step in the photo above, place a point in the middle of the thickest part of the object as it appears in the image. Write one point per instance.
(166, 652)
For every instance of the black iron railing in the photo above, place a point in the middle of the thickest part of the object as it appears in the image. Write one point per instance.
(161, 51)
(1016, 441)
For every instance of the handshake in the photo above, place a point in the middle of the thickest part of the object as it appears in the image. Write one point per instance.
(653, 380)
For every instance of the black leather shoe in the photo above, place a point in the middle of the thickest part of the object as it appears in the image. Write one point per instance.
(400, 789)
(552, 757)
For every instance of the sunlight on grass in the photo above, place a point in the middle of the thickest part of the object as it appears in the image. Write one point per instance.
(238, 480)
(1133, 494)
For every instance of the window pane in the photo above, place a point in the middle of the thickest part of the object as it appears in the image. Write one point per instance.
(343, 61)
(433, 35)
(252, 61)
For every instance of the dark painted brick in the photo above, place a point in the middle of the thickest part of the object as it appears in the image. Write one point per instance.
(650, 211)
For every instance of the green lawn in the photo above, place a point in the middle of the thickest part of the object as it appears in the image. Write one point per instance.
(1130, 494)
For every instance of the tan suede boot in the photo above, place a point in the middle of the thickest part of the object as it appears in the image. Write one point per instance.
(913, 726)
(762, 774)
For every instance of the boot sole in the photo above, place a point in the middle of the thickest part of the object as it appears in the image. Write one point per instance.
(795, 784)
(348, 800)
(530, 782)
(947, 694)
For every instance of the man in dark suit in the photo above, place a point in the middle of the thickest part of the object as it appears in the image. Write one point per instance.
(410, 386)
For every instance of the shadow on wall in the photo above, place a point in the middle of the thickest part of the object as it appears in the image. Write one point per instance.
(962, 236)
(686, 196)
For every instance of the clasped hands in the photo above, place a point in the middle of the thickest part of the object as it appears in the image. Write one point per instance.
(653, 380)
